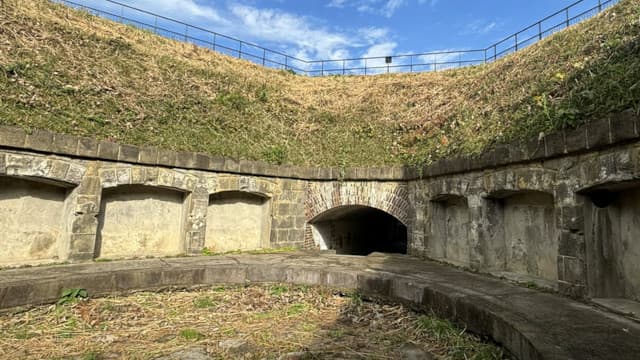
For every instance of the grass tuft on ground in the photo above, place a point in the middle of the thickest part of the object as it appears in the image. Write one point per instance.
(71, 72)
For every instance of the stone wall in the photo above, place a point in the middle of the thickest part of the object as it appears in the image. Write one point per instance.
(557, 211)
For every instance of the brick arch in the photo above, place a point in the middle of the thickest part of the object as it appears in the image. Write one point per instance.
(391, 198)
(41, 167)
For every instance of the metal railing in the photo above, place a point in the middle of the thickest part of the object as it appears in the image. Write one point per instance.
(429, 61)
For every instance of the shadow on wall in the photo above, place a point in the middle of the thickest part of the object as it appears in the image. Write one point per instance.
(359, 230)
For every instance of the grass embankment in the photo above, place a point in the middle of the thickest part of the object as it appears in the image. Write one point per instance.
(70, 72)
(268, 321)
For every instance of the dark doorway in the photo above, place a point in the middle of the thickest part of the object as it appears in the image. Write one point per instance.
(359, 230)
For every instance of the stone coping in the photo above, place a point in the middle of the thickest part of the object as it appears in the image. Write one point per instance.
(528, 323)
(616, 129)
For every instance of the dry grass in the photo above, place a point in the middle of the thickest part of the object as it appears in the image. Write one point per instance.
(271, 319)
(71, 72)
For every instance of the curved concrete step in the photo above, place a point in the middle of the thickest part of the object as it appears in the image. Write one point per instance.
(529, 323)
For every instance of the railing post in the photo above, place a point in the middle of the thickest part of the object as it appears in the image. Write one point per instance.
(599, 5)
(240, 50)
(264, 56)
(539, 30)
(286, 62)
(214, 41)
(411, 63)
(485, 56)
(516, 39)
(343, 67)
(155, 24)
(567, 16)
(322, 68)
(186, 31)
(495, 52)
(365, 66)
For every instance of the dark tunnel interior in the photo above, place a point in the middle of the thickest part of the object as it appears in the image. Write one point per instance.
(359, 230)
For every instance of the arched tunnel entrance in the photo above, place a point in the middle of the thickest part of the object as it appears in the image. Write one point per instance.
(359, 230)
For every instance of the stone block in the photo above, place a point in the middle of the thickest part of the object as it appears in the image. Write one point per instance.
(574, 270)
(87, 204)
(90, 185)
(535, 149)
(123, 175)
(151, 176)
(598, 134)
(128, 153)
(575, 139)
(231, 165)
(374, 284)
(3, 164)
(75, 174)
(263, 272)
(221, 274)
(502, 155)
(202, 161)
(182, 277)
(108, 150)
(148, 155)
(245, 167)
(88, 147)
(65, 144)
(167, 157)
(12, 136)
(58, 170)
(571, 244)
(572, 218)
(305, 276)
(137, 175)
(407, 290)
(83, 243)
(186, 160)
(83, 225)
(623, 127)
(516, 153)
(554, 144)
(138, 279)
(350, 174)
(347, 279)
(216, 163)
(40, 140)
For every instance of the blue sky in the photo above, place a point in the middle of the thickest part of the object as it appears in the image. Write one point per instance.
(329, 29)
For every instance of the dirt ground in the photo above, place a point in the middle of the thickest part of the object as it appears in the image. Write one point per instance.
(257, 322)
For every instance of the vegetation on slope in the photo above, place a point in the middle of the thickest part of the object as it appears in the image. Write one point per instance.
(68, 71)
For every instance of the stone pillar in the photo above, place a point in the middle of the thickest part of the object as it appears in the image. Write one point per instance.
(83, 213)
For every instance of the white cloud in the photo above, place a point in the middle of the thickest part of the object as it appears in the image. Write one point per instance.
(479, 27)
(187, 10)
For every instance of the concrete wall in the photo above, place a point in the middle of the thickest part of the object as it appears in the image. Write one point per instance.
(238, 221)
(32, 222)
(138, 221)
(529, 209)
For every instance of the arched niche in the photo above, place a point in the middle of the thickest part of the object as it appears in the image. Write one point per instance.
(449, 239)
(238, 220)
(139, 221)
(359, 230)
(33, 224)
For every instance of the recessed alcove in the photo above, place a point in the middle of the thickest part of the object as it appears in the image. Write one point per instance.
(449, 240)
(32, 221)
(138, 221)
(522, 237)
(612, 237)
(359, 230)
(237, 220)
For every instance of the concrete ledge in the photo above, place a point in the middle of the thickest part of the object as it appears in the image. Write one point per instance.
(529, 324)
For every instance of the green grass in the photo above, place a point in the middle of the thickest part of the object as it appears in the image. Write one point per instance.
(70, 72)
(191, 335)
